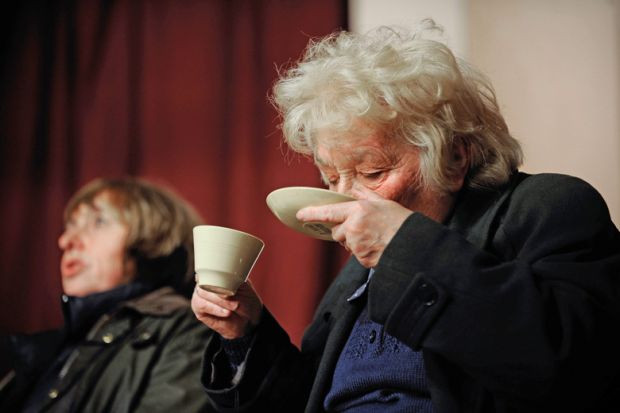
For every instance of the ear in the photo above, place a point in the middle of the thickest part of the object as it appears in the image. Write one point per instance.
(459, 164)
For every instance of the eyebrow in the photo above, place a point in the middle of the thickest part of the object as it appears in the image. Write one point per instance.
(359, 155)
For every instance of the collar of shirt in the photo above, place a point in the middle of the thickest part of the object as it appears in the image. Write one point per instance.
(362, 288)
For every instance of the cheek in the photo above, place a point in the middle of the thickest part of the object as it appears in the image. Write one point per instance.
(112, 262)
(388, 192)
(118, 263)
(398, 188)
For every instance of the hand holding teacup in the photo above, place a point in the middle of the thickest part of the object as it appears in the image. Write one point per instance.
(364, 227)
(224, 299)
(223, 257)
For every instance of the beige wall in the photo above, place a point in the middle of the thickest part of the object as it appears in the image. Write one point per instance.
(366, 14)
(555, 65)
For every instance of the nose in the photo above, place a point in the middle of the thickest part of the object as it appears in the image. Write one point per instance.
(70, 238)
(344, 186)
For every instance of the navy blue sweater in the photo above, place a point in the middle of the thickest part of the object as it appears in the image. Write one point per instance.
(376, 371)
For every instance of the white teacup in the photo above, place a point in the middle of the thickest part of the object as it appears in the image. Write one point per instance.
(224, 257)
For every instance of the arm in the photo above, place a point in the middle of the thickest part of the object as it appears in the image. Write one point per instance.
(275, 376)
(273, 373)
(528, 310)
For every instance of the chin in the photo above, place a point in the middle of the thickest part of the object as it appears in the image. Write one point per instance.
(75, 290)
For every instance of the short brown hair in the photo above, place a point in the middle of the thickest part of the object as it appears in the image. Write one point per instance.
(160, 225)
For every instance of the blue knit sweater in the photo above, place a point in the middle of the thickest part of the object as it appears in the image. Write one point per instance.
(376, 372)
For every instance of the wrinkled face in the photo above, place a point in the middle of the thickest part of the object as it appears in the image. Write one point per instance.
(93, 245)
(389, 169)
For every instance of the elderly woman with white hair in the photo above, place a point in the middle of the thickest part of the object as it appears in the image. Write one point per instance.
(472, 286)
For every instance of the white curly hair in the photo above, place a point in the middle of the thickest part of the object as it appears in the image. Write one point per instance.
(410, 87)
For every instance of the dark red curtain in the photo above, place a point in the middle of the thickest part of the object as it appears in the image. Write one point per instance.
(174, 91)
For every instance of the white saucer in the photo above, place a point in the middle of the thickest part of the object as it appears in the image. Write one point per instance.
(285, 202)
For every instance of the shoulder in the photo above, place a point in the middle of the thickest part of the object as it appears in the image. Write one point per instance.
(165, 313)
(556, 205)
(557, 195)
(161, 302)
(553, 186)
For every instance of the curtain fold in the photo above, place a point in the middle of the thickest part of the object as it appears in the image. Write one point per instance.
(173, 91)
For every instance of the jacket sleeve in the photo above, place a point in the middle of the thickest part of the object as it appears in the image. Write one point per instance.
(275, 376)
(532, 314)
(174, 376)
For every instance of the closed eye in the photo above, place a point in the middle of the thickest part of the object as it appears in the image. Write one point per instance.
(330, 180)
(372, 175)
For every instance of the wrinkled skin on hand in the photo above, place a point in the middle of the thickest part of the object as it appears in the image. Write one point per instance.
(364, 227)
(230, 316)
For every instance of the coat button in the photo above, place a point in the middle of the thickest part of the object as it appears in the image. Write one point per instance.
(108, 338)
(52, 394)
(372, 336)
(427, 294)
(430, 301)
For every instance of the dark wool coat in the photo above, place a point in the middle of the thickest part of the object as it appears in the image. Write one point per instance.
(142, 357)
(515, 303)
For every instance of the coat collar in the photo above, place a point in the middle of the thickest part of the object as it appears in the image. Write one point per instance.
(81, 313)
(476, 210)
(161, 302)
(32, 351)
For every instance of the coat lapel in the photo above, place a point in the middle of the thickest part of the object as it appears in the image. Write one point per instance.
(342, 314)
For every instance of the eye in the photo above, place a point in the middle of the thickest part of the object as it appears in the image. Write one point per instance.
(330, 180)
(100, 220)
(372, 175)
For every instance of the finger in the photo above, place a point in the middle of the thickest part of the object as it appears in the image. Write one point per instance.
(345, 246)
(336, 213)
(204, 308)
(245, 295)
(361, 192)
(229, 303)
(339, 235)
(227, 328)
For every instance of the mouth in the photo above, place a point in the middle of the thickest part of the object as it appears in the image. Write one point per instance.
(70, 267)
